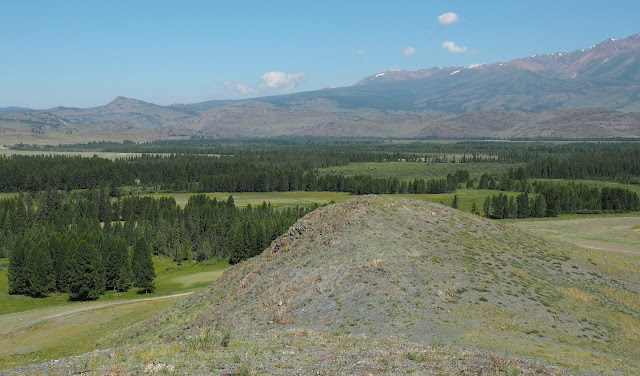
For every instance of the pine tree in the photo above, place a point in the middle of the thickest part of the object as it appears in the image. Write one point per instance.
(539, 206)
(523, 205)
(142, 266)
(68, 244)
(123, 281)
(87, 280)
(117, 264)
(512, 207)
(454, 204)
(496, 206)
(40, 270)
(17, 273)
(486, 207)
(474, 208)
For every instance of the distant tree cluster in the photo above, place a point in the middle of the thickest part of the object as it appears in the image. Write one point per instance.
(613, 162)
(363, 184)
(553, 199)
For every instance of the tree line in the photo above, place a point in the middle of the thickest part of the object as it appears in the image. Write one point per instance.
(67, 242)
(510, 152)
(196, 173)
(552, 199)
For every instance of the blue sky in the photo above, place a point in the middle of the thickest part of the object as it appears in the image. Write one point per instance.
(85, 53)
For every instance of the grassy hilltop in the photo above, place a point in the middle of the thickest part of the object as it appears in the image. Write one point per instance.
(387, 285)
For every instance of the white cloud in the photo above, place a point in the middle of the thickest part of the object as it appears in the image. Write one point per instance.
(281, 81)
(394, 68)
(408, 51)
(453, 48)
(448, 18)
(239, 87)
(271, 82)
(244, 88)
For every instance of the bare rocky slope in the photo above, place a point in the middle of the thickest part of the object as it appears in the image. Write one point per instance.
(383, 285)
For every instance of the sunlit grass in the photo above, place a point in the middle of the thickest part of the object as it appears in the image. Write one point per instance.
(421, 170)
(613, 232)
(466, 197)
(171, 278)
(276, 199)
(72, 334)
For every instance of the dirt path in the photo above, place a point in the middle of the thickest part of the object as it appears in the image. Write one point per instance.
(84, 309)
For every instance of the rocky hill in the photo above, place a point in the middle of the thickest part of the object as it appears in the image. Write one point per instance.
(382, 285)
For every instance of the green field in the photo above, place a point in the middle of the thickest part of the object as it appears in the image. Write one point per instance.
(277, 199)
(72, 334)
(171, 279)
(466, 197)
(81, 325)
(619, 233)
(418, 170)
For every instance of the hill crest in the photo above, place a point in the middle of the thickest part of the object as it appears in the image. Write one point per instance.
(388, 267)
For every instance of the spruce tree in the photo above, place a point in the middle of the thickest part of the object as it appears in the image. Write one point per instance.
(540, 206)
(487, 207)
(117, 264)
(40, 270)
(142, 266)
(63, 271)
(454, 204)
(87, 280)
(123, 281)
(523, 205)
(512, 207)
(17, 273)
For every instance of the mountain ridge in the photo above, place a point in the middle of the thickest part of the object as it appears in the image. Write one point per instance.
(599, 84)
(558, 62)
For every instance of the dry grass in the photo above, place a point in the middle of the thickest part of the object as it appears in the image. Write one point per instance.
(617, 234)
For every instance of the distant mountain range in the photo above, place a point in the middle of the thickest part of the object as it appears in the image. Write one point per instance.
(588, 93)
(14, 109)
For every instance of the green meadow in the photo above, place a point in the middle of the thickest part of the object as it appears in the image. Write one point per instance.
(418, 170)
(276, 199)
(171, 278)
(80, 326)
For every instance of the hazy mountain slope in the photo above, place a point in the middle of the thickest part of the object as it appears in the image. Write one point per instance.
(272, 120)
(14, 109)
(126, 111)
(414, 103)
(519, 98)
